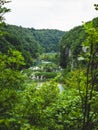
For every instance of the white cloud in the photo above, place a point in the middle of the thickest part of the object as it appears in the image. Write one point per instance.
(59, 14)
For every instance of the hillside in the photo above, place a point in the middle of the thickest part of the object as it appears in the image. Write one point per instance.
(48, 38)
(30, 42)
(71, 45)
(36, 93)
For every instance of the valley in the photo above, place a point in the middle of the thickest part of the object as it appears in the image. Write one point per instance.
(48, 77)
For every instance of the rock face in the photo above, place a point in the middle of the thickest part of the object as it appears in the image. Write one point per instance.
(71, 45)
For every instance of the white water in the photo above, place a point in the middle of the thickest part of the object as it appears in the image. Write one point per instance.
(60, 87)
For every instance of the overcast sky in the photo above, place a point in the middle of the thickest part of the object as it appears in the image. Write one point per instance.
(52, 14)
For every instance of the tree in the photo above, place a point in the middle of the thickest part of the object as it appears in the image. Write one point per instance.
(91, 57)
(84, 78)
(96, 6)
(10, 65)
(3, 10)
(11, 81)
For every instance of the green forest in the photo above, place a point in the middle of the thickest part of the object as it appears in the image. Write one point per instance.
(48, 77)
(30, 42)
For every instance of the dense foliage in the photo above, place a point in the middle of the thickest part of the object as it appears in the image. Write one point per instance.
(30, 42)
(69, 101)
(71, 45)
(48, 38)
(22, 40)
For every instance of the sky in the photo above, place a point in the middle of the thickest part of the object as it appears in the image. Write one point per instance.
(50, 14)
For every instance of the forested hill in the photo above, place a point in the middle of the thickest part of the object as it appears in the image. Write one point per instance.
(71, 44)
(48, 38)
(29, 41)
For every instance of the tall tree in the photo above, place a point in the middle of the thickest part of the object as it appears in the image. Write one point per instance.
(90, 56)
